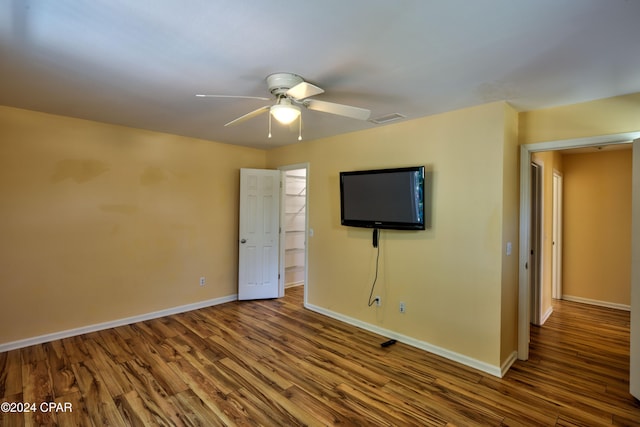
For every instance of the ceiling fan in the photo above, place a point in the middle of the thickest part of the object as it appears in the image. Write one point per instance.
(291, 92)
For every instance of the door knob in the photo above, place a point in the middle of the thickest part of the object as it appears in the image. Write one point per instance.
(243, 240)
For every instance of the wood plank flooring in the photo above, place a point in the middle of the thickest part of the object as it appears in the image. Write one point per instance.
(273, 363)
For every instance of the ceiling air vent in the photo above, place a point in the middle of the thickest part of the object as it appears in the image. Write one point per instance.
(381, 120)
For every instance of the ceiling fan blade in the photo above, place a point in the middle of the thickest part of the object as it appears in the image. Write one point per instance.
(248, 116)
(339, 109)
(200, 95)
(304, 90)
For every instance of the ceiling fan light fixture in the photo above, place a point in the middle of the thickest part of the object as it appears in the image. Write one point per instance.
(285, 112)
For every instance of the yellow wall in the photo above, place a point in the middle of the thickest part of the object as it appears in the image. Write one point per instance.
(101, 222)
(601, 117)
(597, 226)
(451, 276)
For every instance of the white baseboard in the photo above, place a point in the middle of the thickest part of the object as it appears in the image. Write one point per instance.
(546, 315)
(114, 323)
(293, 284)
(497, 371)
(507, 363)
(607, 304)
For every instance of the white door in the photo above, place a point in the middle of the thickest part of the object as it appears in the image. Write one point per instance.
(259, 234)
(634, 374)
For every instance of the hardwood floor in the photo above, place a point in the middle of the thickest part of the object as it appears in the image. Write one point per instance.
(274, 363)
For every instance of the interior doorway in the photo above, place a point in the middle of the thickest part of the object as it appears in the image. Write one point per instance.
(294, 226)
(524, 304)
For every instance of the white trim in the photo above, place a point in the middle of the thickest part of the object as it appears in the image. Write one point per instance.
(281, 233)
(606, 304)
(497, 371)
(634, 323)
(524, 314)
(556, 233)
(293, 284)
(618, 138)
(114, 323)
(546, 315)
(525, 159)
(507, 363)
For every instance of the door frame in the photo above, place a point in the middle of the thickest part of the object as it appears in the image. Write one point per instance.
(634, 351)
(525, 205)
(556, 231)
(283, 170)
(536, 248)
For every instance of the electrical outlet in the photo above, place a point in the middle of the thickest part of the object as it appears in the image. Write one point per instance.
(378, 301)
(203, 281)
(403, 307)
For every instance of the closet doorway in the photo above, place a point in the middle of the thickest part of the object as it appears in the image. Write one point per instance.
(294, 225)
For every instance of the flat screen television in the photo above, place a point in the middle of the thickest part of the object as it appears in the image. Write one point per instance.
(383, 198)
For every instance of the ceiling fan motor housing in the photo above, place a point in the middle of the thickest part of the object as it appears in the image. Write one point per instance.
(280, 83)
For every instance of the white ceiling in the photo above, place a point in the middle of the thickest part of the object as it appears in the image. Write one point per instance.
(139, 63)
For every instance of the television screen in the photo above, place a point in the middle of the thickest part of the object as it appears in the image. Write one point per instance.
(383, 198)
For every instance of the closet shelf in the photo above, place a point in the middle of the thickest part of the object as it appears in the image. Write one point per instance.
(294, 250)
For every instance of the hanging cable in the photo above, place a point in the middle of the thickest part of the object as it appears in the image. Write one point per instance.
(300, 128)
(375, 279)
(269, 124)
